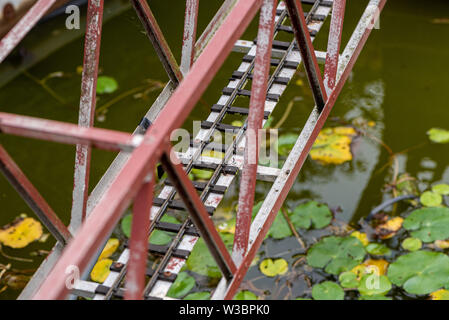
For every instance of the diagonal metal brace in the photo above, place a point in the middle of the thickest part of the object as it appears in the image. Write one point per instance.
(198, 213)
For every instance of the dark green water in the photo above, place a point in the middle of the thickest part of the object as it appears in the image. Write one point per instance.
(400, 82)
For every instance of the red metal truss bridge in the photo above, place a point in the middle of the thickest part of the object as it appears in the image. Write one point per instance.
(267, 67)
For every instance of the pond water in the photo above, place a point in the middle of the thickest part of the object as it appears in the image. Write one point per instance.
(399, 82)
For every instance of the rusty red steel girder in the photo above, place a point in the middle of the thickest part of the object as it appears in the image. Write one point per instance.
(87, 110)
(256, 114)
(135, 180)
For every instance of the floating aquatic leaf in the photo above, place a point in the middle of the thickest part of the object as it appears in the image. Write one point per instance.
(407, 185)
(378, 249)
(442, 189)
(268, 122)
(327, 290)
(272, 268)
(388, 229)
(311, 215)
(285, 143)
(438, 135)
(213, 154)
(227, 227)
(202, 174)
(431, 199)
(245, 295)
(21, 232)
(420, 272)
(361, 236)
(106, 85)
(336, 254)
(412, 244)
(101, 270)
(348, 279)
(429, 224)
(378, 266)
(279, 229)
(16, 281)
(442, 244)
(157, 237)
(374, 298)
(333, 145)
(182, 286)
(441, 294)
(202, 262)
(203, 295)
(109, 249)
(237, 123)
(374, 285)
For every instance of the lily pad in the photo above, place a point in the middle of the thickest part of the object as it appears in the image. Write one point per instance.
(374, 285)
(378, 266)
(348, 279)
(272, 268)
(378, 249)
(336, 254)
(431, 199)
(438, 135)
(327, 290)
(109, 249)
(202, 262)
(203, 295)
(106, 84)
(441, 294)
(245, 295)
(157, 237)
(333, 145)
(429, 224)
(101, 270)
(202, 174)
(280, 228)
(420, 272)
(285, 143)
(442, 189)
(389, 229)
(21, 232)
(182, 286)
(361, 236)
(374, 298)
(311, 215)
(412, 244)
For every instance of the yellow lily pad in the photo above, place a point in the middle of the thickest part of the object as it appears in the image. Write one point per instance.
(101, 270)
(441, 294)
(213, 154)
(272, 268)
(333, 145)
(227, 227)
(388, 229)
(21, 232)
(109, 249)
(361, 236)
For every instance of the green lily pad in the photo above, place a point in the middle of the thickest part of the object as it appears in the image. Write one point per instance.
(336, 254)
(311, 215)
(431, 199)
(442, 189)
(203, 295)
(157, 237)
(428, 224)
(106, 85)
(182, 286)
(280, 228)
(378, 249)
(438, 135)
(285, 143)
(245, 295)
(327, 290)
(420, 272)
(412, 244)
(202, 262)
(374, 285)
(374, 298)
(348, 279)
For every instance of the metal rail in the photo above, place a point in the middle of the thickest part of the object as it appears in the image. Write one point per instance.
(131, 177)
